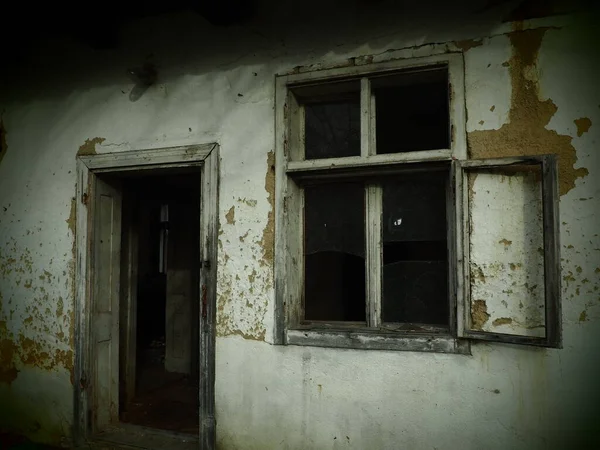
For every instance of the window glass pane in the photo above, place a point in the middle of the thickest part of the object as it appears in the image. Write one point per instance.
(334, 256)
(332, 129)
(412, 111)
(415, 261)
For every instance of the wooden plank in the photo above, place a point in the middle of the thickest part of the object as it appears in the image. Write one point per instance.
(374, 261)
(371, 161)
(155, 168)
(377, 341)
(209, 235)
(332, 74)
(105, 300)
(365, 118)
(458, 113)
(501, 162)
(453, 238)
(461, 248)
(281, 187)
(140, 158)
(294, 125)
(550, 199)
(507, 338)
(82, 255)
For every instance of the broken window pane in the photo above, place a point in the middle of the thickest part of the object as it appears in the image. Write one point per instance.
(415, 261)
(334, 247)
(412, 111)
(506, 265)
(332, 129)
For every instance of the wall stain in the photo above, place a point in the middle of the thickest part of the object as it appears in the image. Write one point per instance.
(230, 216)
(583, 125)
(89, 146)
(268, 238)
(29, 345)
(477, 273)
(583, 316)
(525, 132)
(502, 321)
(505, 241)
(248, 202)
(468, 44)
(479, 314)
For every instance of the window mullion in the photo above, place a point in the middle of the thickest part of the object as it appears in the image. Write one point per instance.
(367, 119)
(373, 254)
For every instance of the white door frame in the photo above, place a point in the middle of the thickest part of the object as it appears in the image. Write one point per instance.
(206, 157)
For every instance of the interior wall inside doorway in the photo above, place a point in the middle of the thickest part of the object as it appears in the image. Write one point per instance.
(162, 216)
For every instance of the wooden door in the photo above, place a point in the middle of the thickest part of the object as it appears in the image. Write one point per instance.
(105, 301)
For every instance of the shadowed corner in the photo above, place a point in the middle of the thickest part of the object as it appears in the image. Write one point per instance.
(13, 442)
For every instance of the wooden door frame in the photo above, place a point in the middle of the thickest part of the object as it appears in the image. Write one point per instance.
(204, 156)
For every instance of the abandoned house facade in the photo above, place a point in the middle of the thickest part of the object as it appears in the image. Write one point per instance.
(375, 227)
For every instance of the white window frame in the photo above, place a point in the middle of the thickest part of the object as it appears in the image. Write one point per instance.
(292, 171)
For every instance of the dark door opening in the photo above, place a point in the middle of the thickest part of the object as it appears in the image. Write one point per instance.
(159, 313)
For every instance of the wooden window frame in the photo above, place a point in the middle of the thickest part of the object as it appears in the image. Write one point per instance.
(551, 250)
(293, 172)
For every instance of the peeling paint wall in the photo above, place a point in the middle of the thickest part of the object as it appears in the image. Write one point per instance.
(530, 89)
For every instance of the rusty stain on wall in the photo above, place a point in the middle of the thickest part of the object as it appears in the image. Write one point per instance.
(479, 314)
(583, 125)
(502, 321)
(89, 146)
(505, 241)
(8, 371)
(29, 346)
(268, 238)
(230, 216)
(525, 132)
(468, 44)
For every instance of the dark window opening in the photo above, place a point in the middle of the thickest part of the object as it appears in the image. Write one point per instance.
(412, 111)
(334, 247)
(333, 128)
(415, 261)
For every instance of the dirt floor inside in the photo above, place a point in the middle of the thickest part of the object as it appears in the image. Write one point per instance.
(166, 401)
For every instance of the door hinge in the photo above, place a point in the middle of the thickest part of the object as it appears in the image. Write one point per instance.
(84, 198)
(205, 264)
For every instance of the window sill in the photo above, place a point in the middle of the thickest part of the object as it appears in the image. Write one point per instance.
(353, 339)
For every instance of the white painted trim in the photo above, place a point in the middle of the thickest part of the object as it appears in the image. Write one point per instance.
(368, 161)
(359, 71)
(138, 159)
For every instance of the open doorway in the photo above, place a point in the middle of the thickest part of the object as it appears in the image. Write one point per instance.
(159, 301)
(145, 272)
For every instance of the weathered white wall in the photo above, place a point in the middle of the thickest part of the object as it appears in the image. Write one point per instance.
(218, 85)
